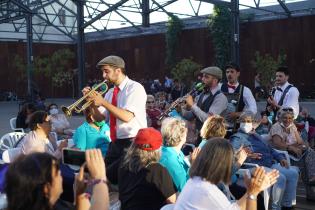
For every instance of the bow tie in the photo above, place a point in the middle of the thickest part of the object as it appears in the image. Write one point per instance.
(279, 89)
(231, 86)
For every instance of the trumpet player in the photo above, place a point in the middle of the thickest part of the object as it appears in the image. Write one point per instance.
(211, 100)
(125, 106)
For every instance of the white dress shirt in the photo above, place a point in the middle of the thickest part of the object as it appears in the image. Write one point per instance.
(131, 97)
(248, 98)
(291, 99)
(200, 194)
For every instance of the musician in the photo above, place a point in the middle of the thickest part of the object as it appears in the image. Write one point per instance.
(240, 97)
(125, 106)
(285, 94)
(211, 100)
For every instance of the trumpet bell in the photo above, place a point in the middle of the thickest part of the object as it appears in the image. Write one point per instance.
(67, 111)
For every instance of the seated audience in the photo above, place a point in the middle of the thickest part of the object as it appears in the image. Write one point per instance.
(34, 181)
(142, 181)
(174, 134)
(212, 166)
(153, 113)
(264, 126)
(59, 122)
(285, 136)
(284, 191)
(23, 116)
(39, 138)
(93, 133)
(214, 126)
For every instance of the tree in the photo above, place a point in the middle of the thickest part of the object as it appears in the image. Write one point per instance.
(220, 29)
(174, 28)
(185, 71)
(266, 65)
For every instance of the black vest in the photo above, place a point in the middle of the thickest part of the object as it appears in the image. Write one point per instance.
(205, 105)
(240, 103)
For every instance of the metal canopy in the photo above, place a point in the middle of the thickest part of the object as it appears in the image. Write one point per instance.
(56, 20)
(68, 21)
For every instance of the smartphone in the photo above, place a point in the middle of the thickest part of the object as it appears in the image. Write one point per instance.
(73, 157)
(188, 148)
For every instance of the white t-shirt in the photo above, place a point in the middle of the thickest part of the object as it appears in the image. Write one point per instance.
(131, 97)
(199, 194)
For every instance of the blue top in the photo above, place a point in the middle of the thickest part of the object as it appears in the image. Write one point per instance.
(87, 137)
(202, 143)
(177, 167)
(257, 145)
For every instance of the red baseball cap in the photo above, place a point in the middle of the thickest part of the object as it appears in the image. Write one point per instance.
(148, 139)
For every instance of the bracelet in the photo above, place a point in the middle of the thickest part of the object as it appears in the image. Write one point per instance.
(251, 197)
(94, 182)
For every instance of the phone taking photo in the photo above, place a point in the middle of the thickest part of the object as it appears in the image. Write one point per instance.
(73, 157)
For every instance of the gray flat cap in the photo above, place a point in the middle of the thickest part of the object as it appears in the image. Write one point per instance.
(112, 60)
(213, 70)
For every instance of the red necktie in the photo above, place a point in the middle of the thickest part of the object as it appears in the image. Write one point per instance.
(112, 118)
(231, 86)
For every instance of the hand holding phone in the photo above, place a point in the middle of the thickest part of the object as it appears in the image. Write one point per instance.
(73, 157)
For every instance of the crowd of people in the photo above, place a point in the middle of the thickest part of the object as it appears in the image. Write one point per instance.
(134, 139)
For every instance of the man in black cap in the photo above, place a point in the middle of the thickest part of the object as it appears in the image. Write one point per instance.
(125, 106)
(240, 97)
(210, 102)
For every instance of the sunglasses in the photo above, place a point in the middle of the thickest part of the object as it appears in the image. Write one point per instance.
(150, 102)
(287, 109)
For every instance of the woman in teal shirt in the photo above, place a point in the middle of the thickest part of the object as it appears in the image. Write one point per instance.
(94, 133)
(174, 134)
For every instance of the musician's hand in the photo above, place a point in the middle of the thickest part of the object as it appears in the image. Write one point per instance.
(97, 98)
(234, 115)
(189, 101)
(272, 102)
(86, 90)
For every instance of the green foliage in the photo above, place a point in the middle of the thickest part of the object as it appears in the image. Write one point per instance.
(220, 28)
(185, 70)
(266, 65)
(55, 67)
(174, 28)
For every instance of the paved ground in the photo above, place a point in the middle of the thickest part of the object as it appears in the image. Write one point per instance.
(9, 110)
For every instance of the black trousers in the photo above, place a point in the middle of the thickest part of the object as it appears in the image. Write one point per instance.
(115, 153)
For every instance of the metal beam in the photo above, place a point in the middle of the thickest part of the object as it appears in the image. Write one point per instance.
(235, 31)
(29, 38)
(6, 20)
(163, 5)
(145, 13)
(22, 6)
(285, 8)
(80, 46)
(102, 14)
(218, 2)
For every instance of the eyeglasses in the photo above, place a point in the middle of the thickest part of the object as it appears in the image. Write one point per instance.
(150, 102)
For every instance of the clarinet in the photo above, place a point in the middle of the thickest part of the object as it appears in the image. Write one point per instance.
(198, 87)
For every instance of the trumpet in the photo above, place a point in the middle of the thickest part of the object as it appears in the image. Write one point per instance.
(198, 87)
(77, 108)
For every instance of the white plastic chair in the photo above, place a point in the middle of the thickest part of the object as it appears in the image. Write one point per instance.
(9, 140)
(11, 154)
(266, 192)
(13, 125)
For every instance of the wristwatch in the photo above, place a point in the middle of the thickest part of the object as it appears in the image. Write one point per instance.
(251, 197)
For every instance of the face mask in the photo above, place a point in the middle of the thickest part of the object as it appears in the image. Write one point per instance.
(99, 124)
(53, 111)
(246, 127)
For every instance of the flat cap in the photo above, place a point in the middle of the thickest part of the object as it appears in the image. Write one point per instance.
(112, 60)
(213, 70)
